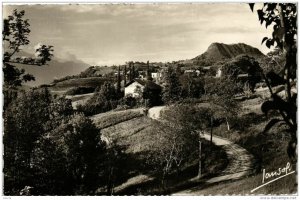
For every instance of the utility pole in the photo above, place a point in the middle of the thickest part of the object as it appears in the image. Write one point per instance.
(200, 157)
(211, 129)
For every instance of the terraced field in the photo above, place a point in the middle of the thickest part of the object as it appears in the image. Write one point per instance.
(135, 134)
(107, 119)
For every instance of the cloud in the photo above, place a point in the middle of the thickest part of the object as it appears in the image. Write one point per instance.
(115, 33)
(65, 56)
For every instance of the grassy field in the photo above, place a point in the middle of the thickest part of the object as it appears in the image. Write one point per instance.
(79, 82)
(111, 118)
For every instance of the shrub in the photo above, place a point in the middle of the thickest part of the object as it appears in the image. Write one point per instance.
(103, 100)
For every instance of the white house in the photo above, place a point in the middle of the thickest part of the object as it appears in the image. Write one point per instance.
(156, 76)
(192, 71)
(131, 88)
(135, 85)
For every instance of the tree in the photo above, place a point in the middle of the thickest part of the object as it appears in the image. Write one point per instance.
(172, 89)
(192, 87)
(27, 119)
(273, 67)
(82, 149)
(274, 61)
(283, 17)
(244, 65)
(15, 35)
(115, 166)
(220, 94)
(151, 95)
(175, 141)
(119, 82)
(104, 99)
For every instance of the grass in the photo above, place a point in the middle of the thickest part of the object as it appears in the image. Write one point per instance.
(137, 135)
(132, 133)
(131, 129)
(80, 82)
(105, 120)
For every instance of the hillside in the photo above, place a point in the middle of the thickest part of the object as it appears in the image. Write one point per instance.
(219, 52)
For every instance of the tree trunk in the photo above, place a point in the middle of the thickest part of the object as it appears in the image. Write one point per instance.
(287, 51)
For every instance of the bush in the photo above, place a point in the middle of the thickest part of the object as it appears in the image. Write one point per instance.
(103, 100)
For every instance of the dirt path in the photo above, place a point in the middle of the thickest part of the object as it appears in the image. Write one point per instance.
(240, 162)
(154, 112)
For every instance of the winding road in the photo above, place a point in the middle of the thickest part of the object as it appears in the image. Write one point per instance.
(240, 162)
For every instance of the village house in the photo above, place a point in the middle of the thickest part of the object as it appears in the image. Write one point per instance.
(132, 88)
(156, 76)
(192, 72)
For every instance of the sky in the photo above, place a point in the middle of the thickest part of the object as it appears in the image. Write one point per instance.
(107, 34)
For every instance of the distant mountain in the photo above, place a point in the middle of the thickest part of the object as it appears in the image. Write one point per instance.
(56, 68)
(219, 52)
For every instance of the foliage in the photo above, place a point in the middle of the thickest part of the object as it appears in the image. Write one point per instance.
(115, 166)
(129, 101)
(104, 99)
(82, 148)
(220, 94)
(172, 89)
(14, 76)
(244, 65)
(173, 138)
(191, 87)
(283, 17)
(224, 86)
(15, 35)
(274, 61)
(153, 97)
(26, 119)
